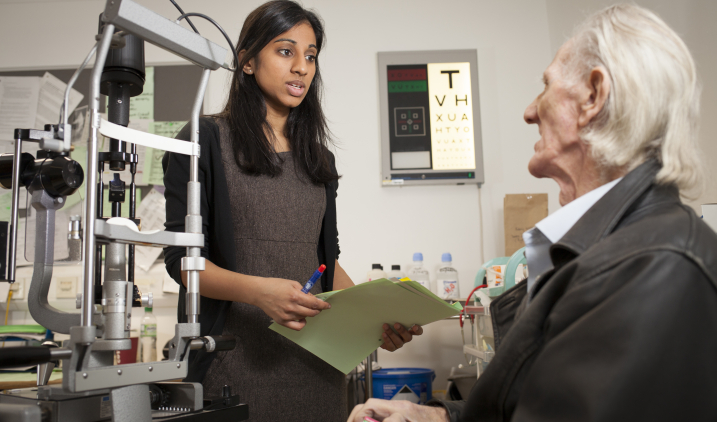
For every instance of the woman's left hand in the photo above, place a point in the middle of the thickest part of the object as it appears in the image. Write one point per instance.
(393, 340)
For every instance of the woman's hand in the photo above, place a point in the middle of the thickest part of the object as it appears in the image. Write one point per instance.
(394, 340)
(397, 411)
(286, 304)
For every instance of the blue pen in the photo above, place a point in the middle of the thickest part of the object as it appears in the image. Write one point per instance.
(312, 280)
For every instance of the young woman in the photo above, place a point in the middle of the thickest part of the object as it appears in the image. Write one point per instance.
(269, 219)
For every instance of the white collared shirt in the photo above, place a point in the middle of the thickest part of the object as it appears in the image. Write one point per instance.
(552, 228)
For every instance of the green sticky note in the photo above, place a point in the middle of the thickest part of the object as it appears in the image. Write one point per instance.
(142, 106)
(348, 332)
(166, 129)
(153, 173)
(5, 206)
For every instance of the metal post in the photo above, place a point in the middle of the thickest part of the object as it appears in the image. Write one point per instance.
(91, 183)
(132, 216)
(194, 218)
(369, 378)
(12, 256)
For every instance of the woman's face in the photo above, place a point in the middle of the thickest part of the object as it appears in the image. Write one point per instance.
(285, 67)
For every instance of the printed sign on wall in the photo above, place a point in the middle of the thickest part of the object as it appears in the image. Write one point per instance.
(451, 114)
(440, 92)
(429, 129)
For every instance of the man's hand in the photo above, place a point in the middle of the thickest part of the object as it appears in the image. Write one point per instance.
(286, 304)
(393, 340)
(397, 411)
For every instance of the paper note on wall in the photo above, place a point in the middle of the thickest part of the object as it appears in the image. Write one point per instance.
(169, 285)
(51, 97)
(5, 206)
(80, 121)
(18, 106)
(152, 213)
(521, 213)
(153, 173)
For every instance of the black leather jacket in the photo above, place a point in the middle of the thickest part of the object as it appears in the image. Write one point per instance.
(624, 328)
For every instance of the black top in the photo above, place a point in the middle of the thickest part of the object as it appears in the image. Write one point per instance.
(621, 329)
(219, 245)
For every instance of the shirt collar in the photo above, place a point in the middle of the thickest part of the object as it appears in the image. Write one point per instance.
(561, 221)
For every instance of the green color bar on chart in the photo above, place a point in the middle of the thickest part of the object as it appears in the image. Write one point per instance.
(408, 86)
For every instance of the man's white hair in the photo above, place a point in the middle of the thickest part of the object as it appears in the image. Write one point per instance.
(653, 106)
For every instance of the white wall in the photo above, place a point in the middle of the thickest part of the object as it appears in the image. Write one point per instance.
(376, 224)
(515, 42)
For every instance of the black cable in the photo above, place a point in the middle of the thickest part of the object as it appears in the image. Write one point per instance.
(182, 12)
(234, 51)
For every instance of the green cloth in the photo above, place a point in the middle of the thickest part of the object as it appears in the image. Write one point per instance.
(22, 376)
(22, 329)
(348, 332)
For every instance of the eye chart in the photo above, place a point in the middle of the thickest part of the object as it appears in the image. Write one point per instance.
(430, 118)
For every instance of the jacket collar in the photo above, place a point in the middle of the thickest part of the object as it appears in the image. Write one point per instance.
(601, 220)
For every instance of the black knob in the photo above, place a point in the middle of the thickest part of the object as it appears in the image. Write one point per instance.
(6, 162)
(61, 176)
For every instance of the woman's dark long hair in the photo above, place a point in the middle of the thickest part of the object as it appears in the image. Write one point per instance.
(245, 111)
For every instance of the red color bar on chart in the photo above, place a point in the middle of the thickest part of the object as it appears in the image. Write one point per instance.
(407, 75)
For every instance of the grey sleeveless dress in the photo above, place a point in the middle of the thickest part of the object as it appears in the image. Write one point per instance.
(277, 223)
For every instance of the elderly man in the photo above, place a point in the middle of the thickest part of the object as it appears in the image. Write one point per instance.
(618, 319)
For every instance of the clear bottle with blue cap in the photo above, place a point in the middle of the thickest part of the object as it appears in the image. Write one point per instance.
(148, 337)
(419, 273)
(447, 279)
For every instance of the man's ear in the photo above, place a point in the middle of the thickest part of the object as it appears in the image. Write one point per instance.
(598, 85)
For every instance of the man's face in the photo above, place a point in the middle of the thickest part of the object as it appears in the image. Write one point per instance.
(559, 152)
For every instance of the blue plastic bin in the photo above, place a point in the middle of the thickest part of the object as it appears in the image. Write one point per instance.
(412, 384)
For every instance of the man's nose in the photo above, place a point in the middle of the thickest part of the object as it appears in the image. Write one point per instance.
(531, 113)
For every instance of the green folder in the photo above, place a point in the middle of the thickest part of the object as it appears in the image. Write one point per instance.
(348, 332)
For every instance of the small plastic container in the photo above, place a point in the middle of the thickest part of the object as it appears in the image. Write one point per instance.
(419, 273)
(376, 272)
(396, 272)
(447, 279)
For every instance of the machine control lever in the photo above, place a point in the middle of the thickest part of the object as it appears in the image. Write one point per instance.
(214, 343)
(32, 355)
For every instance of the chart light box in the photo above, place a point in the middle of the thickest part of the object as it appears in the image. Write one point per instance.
(430, 118)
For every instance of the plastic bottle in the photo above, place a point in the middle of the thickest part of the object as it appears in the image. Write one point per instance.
(376, 272)
(447, 279)
(148, 337)
(396, 272)
(419, 273)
